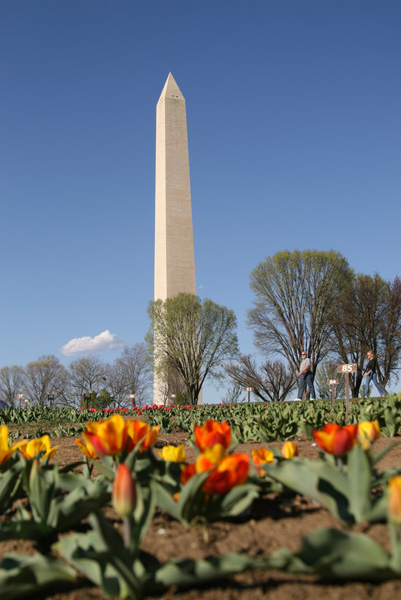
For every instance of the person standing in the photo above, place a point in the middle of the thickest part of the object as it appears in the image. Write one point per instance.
(371, 375)
(305, 377)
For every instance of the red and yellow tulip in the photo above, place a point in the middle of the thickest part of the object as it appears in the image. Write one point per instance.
(289, 450)
(5, 450)
(124, 492)
(31, 448)
(87, 449)
(212, 433)
(138, 431)
(262, 456)
(336, 440)
(107, 437)
(233, 470)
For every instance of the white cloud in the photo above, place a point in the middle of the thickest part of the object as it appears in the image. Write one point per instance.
(103, 342)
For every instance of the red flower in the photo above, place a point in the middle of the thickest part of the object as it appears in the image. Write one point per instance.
(336, 440)
(212, 433)
(232, 471)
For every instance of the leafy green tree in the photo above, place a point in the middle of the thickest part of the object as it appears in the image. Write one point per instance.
(295, 294)
(193, 338)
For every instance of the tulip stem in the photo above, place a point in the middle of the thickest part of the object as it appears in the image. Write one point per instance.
(127, 533)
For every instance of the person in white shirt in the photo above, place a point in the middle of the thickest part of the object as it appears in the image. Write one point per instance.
(305, 377)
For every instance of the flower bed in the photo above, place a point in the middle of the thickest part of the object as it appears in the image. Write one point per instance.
(272, 519)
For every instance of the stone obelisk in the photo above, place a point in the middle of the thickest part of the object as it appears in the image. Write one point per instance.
(174, 244)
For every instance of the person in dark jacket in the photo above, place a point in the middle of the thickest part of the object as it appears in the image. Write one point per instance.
(371, 375)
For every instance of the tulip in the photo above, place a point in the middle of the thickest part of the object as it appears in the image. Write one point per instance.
(138, 431)
(5, 450)
(262, 456)
(187, 472)
(368, 432)
(87, 449)
(30, 449)
(107, 437)
(233, 470)
(212, 433)
(394, 499)
(336, 440)
(173, 453)
(124, 492)
(289, 450)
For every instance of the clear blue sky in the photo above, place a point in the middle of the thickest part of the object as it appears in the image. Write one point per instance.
(294, 126)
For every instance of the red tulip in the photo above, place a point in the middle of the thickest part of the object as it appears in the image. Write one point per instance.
(336, 440)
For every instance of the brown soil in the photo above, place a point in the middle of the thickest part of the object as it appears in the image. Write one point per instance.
(273, 522)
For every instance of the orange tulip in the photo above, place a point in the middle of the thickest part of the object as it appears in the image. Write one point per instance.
(368, 432)
(336, 440)
(5, 450)
(394, 499)
(31, 448)
(212, 433)
(233, 470)
(107, 437)
(289, 450)
(124, 492)
(137, 431)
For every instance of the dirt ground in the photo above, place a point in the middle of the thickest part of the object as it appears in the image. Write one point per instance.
(273, 522)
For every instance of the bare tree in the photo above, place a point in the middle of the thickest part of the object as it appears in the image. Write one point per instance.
(45, 380)
(11, 383)
(294, 301)
(131, 374)
(87, 375)
(367, 316)
(272, 381)
(328, 370)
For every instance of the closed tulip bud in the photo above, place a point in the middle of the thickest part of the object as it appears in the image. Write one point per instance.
(394, 499)
(124, 492)
(289, 450)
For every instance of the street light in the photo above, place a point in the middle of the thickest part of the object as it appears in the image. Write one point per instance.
(50, 398)
(249, 390)
(173, 397)
(21, 397)
(87, 397)
(132, 396)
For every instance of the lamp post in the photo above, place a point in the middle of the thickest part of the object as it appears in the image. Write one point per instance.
(87, 397)
(249, 390)
(21, 397)
(132, 397)
(50, 398)
(173, 397)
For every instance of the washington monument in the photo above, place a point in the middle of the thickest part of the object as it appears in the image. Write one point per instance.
(174, 244)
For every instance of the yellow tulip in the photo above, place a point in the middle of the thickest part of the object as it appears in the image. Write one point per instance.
(394, 499)
(368, 432)
(173, 453)
(5, 450)
(31, 448)
(289, 450)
